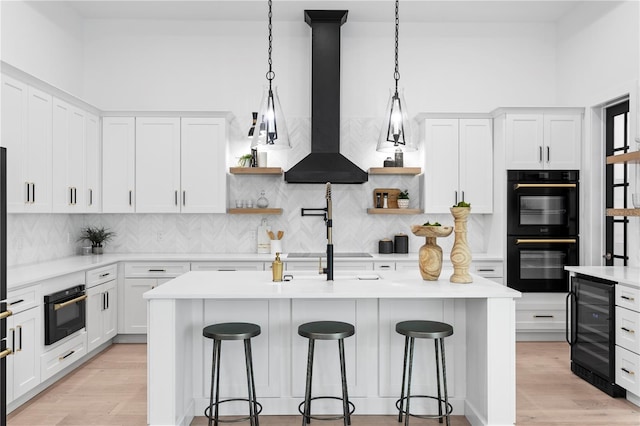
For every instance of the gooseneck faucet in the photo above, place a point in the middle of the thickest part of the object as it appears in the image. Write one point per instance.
(327, 213)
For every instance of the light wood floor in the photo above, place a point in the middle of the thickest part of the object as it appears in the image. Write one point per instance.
(111, 390)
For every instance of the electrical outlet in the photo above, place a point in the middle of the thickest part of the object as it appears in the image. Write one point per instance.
(159, 236)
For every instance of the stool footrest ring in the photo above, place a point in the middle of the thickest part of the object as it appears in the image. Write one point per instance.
(207, 411)
(449, 409)
(352, 408)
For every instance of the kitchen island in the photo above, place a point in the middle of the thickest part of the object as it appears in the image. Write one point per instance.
(480, 354)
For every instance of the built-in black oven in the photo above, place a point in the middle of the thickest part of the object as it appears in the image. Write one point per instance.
(537, 264)
(542, 203)
(64, 313)
(591, 332)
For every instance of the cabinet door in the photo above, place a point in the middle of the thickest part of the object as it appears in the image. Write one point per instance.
(93, 170)
(441, 165)
(95, 308)
(110, 314)
(14, 138)
(118, 164)
(476, 164)
(68, 135)
(524, 141)
(38, 152)
(135, 307)
(157, 165)
(203, 156)
(26, 356)
(562, 137)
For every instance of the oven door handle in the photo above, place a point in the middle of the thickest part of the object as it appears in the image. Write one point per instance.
(544, 185)
(59, 306)
(546, 241)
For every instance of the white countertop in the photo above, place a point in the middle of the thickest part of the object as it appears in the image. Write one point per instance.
(619, 274)
(23, 275)
(305, 285)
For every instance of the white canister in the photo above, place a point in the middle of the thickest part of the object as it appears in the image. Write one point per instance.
(276, 246)
(262, 158)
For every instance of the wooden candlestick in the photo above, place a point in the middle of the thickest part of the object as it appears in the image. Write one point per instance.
(460, 253)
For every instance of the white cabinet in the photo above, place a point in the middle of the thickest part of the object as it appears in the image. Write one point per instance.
(69, 132)
(627, 340)
(157, 165)
(26, 133)
(541, 316)
(24, 338)
(118, 164)
(228, 266)
(203, 165)
(543, 140)
(102, 306)
(62, 356)
(93, 165)
(140, 278)
(458, 164)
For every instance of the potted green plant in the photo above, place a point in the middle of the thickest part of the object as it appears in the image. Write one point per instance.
(98, 235)
(245, 160)
(403, 199)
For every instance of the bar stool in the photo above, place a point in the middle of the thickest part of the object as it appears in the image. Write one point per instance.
(424, 330)
(326, 330)
(232, 331)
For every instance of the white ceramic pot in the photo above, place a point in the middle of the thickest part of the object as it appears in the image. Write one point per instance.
(403, 203)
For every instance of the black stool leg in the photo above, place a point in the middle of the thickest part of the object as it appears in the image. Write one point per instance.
(345, 393)
(404, 376)
(213, 377)
(438, 380)
(406, 417)
(253, 419)
(444, 381)
(307, 393)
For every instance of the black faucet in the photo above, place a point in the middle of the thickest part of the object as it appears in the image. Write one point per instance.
(327, 213)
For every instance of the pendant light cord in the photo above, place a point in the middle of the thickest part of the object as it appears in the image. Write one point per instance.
(396, 74)
(270, 74)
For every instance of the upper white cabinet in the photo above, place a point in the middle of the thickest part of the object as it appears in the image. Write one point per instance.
(548, 140)
(118, 164)
(69, 133)
(458, 164)
(203, 175)
(93, 165)
(157, 165)
(26, 133)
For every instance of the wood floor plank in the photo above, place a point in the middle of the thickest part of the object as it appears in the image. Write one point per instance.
(110, 390)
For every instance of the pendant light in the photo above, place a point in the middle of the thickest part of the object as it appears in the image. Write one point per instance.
(272, 131)
(395, 135)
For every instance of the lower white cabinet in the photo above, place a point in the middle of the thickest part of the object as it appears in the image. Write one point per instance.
(228, 266)
(141, 277)
(627, 340)
(541, 316)
(102, 314)
(23, 337)
(57, 359)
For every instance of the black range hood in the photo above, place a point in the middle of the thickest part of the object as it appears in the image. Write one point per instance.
(325, 163)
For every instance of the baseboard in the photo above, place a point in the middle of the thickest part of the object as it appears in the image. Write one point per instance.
(540, 336)
(130, 338)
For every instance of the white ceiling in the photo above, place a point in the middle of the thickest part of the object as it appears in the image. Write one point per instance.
(359, 10)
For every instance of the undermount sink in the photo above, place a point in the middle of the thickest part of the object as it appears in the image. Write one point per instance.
(321, 277)
(323, 254)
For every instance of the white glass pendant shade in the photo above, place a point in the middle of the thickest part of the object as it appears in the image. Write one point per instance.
(271, 129)
(396, 127)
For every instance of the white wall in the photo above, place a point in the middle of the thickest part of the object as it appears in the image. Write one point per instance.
(599, 60)
(44, 40)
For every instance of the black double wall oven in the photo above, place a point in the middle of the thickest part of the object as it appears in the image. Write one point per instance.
(542, 229)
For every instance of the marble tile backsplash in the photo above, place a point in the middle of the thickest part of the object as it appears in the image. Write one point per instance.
(39, 237)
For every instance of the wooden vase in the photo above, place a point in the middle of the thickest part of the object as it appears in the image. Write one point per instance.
(460, 253)
(430, 254)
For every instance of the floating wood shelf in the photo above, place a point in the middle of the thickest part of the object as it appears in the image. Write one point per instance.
(255, 170)
(623, 212)
(254, 211)
(395, 171)
(629, 157)
(394, 211)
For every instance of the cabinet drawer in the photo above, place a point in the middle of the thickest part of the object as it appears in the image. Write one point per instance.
(487, 270)
(21, 300)
(628, 329)
(62, 356)
(227, 266)
(628, 297)
(540, 319)
(101, 275)
(628, 370)
(155, 269)
(384, 266)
